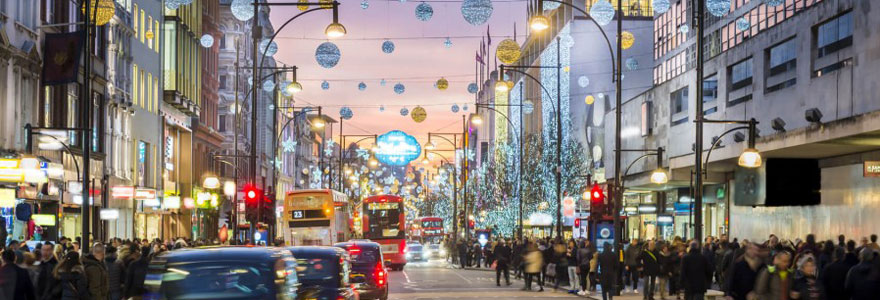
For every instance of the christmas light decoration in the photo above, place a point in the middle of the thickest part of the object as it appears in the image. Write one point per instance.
(404, 111)
(268, 85)
(583, 81)
(632, 64)
(101, 11)
(684, 28)
(774, 2)
(627, 40)
(365, 4)
(387, 47)
(718, 8)
(442, 84)
(418, 114)
(206, 41)
(362, 86)
(508, 51)
(472, 88)
(399, 88)
(424, 12)
(742, 24)
(589, 100)
(447, 43)
(267, 48)
(327, 55)
(325, 85)
(476, 12)
(242, 10)
(345, 113)
(602, 12)
(455, 108)
(660, 6)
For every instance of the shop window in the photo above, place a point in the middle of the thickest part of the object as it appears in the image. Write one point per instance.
(741, 74)
(678, 104)
(834, 34)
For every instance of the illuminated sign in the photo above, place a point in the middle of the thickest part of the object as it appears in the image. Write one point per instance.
(872, 169)
(7, 198)
(172, 202)
(122, 191)
(397, 148)
(144, 194)
(44, 220)
(382, 206)
(9, 170)
(109, 214)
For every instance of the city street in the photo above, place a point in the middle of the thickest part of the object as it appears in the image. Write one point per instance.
(435, 280)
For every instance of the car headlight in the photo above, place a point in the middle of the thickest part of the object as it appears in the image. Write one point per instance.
(427, 252)
(442, 252)
(408, 254)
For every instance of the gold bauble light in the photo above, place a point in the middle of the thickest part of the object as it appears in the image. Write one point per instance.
(418, 114)
(589, 100)
(328, 4)
(303, 7)
(442, 84)
(627, 39)
(101, 11)
(149, 35)
(508, 51)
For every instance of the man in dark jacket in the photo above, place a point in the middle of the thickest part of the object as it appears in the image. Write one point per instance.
(696, 273)
(96, 272)
(14, 281)
(740, 280)
(463, 254)
(631, 259)
(851, 258)
(858, 280)
(45, 280)
(608, 268)
(650, 267)
(114, 273)
(502, 258)
(136, 273)
(833, 277)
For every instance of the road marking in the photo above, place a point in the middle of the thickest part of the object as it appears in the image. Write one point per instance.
(462, 277)
(406, 276)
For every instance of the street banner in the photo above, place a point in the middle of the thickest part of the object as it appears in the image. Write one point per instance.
(61, 57)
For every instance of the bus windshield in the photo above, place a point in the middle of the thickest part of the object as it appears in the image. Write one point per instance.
(432, 224)
(383, 220)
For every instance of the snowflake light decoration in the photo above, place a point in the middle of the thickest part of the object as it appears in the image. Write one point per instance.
(424, 12)
(345, 113)
(365, 4)
(269, 49)
(399, 88)
(583, 81)
(242, 10)
(268, 85)
(327, 55)
(404, 111)
(602, 11)
(742, 24)
(206, 40)
(447, 43)
(382, 108)
(288, 145)
(362, 86)
(718, 7)
(476, 12)
(660, 6)
(528, 107)
(455, 108)
(386, 190)
(464, 108)
(382, 82)
(684, 28)
(172, 4)
(551, 5)
(632, 64)
(388, 47)
(363, 153)
(325, 85)
(472, 88)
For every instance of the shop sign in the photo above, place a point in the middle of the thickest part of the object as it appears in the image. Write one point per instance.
(126, 192)
(171, 202)
(145, 194)
(647, 209)
(53, 170)
(9, 171)
(682, 208)
(74, 187)
(664, 220)
(568, 207)
(872, 169)
(153, 202)
(7, 198)
(631, 209)
(109, 214)
(43, 219)
(78, 200)
(397, 148)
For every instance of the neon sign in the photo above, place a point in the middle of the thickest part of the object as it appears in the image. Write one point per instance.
(397, 148)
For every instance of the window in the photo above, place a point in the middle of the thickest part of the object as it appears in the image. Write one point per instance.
(134, 85)
(834, 34)
(223, 41)
(26, 13)
(156, 94)
(152, 29)
(156, 34)
(143, 156)
(134, 19)
(143, 28)
(783, 57)
(222, 121)
(678, 106)
(141, 88)
(149, 92)
(97, 122)
(710, 93)
(741, 74)
(222, 82)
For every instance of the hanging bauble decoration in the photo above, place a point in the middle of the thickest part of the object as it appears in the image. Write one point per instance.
(387, 47)
(345, 113)
(472, 88)
(185, 2)
(742, 24)
(424, 12)
(528, 107)
(632, 64)
(271, 107)
(589, 100)
(602, 12)
(268, 85)
(102, 10)
(172, 4)
(464, 108)
(442, 84)
(399, 88)
(149, 34)
(404, 111)
(326, 4)
(583, 81)
(447, 43)
(627, 40)
(551, 5)
(303, 7)
(382, 108)
(325, 85)
(476, 12)
(362, 86)
(508, 51)
(684, 28)
(774, 2)
(718, 8)
(419, 114)
(327, 55)
(268, 48)
(455, 108)
(660, 6)
(242, 10)
(365, 4)
(382, 82)
(206, 41)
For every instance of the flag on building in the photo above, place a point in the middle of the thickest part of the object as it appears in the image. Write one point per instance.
(61, 57)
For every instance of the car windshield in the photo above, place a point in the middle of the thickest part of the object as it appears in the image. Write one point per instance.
(415, 248)
(317, 271)
(217, 280)
(434, 247)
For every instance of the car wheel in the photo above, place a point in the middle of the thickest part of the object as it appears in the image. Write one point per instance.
(384, 296)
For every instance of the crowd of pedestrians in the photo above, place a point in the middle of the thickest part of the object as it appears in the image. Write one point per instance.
(109, 271)
(773, 269)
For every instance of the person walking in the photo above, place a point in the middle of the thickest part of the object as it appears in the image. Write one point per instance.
(136, 273)
(608, 270)
(775, 281)
(96, 272)
(72, 278)
(651, 269)
(45, 280)
(740, 279)
(833, 276)
(114, 273)
(806, 286)
(533, 263)
(582, 258)
(858, 281)
(15, 282)
(462, 254)
(502, 255)
(631, 256)
(663, 279)
(696, 273)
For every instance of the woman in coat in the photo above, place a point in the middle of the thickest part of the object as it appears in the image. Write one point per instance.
(534, 261)
(72, 278)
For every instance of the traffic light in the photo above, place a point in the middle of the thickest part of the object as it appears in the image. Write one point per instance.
(597, 200)
(252, 196)
(577, 223)
(268, 209)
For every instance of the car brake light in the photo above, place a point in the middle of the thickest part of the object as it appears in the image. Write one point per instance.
(380, 274)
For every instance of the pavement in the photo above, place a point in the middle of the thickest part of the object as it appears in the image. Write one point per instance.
(437, 279)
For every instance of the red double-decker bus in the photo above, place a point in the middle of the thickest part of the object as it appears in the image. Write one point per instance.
(384, 222)
(429, 229)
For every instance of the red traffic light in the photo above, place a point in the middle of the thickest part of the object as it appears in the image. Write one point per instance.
(596, 194)
(251, 193)
(577, 222)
